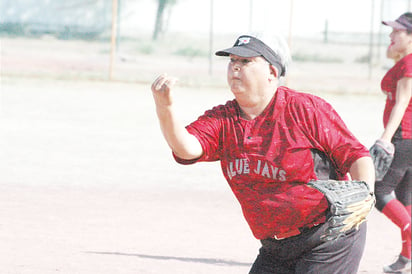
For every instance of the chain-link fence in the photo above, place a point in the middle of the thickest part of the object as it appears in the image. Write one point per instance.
(74, 39)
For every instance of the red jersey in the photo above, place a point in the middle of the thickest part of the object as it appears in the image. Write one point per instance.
(267, 161)
(403, 68)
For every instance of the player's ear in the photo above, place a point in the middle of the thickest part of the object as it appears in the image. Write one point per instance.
(273, 70)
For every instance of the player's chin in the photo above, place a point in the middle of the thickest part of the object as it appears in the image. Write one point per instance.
(237, 92)
(237, 88)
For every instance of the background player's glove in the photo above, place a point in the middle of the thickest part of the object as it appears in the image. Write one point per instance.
(382, 156)
(349, 202)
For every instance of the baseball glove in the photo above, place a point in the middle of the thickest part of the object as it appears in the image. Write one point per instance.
(349, 202)
(382, 156)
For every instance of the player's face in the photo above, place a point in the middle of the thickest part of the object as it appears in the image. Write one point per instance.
(248, 75)
(392, 54)
(401, 42)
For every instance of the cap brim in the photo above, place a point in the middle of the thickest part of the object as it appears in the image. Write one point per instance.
(394, 25)
(239, 51)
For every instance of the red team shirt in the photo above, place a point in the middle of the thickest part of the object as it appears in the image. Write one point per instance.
(267, 161)
(403, 68)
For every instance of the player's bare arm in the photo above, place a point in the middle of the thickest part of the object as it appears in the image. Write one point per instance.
(363, 170)
(182, 143)
(403, 96)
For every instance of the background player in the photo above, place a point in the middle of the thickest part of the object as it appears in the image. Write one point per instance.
(271, 141)
(397, 119)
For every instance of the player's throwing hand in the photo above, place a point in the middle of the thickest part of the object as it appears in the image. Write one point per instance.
(161, 89)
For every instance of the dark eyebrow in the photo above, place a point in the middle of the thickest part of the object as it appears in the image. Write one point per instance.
(241, 60)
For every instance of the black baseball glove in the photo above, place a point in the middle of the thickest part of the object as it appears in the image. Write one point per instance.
(382, 155)
(349, 202)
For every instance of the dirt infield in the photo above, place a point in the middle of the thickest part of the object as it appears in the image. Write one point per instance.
(89, 186)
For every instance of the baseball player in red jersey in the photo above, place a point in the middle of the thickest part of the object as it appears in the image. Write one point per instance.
(271, 141)
(394, 191)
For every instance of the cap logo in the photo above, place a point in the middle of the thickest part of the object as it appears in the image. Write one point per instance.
(243, 40)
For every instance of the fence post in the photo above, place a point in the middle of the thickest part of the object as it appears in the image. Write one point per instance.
(371, 39)
(211, 38)
(113, 39)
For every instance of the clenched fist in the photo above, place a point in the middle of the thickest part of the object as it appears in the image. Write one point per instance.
(161, 89)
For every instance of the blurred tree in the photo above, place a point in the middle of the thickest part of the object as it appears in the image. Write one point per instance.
(160, 16)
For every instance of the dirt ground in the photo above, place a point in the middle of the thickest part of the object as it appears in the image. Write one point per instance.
(89, 186)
